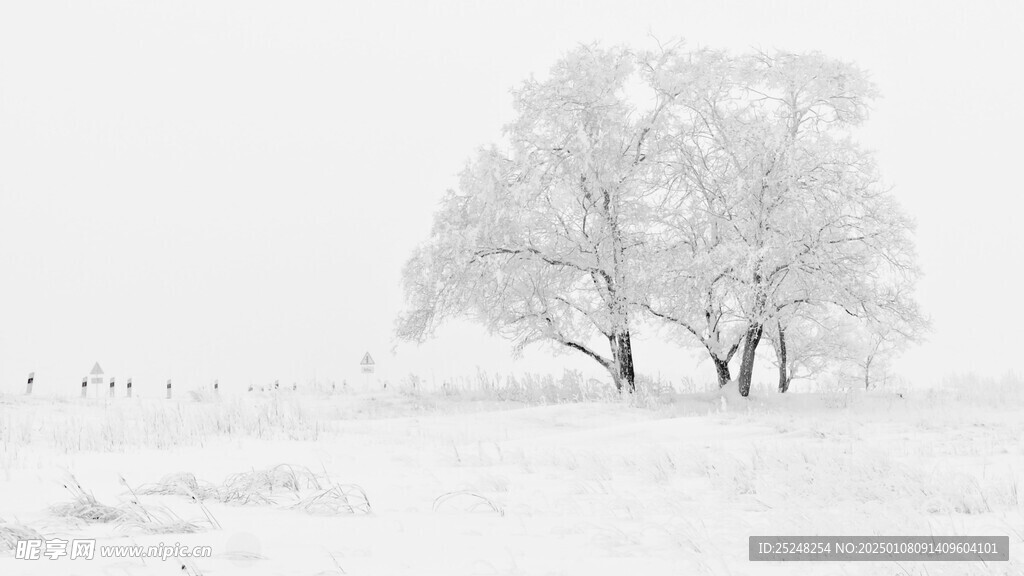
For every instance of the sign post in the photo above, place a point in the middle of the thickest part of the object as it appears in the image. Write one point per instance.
(367, 366)
(96, 379)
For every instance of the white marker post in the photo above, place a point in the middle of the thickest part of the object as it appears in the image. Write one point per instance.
(216, 387)
(168, 389)
(85, 386)
(129, 388)
(111, 387)
(28, 386)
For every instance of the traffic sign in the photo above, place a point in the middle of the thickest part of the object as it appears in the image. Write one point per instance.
(367, 364)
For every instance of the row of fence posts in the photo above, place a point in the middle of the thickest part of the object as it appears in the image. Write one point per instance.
(113, 389)
(216, 386)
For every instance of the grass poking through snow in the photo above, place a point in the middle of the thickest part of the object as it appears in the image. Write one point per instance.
(466, 501)
(11, 532)
(132, 516)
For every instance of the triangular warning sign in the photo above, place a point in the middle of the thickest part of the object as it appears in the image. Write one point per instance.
(96, 370)
(367, 360)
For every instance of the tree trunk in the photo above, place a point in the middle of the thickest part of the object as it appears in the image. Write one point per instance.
(781, 351)
(867, 372)
(722, 367)
(622, 347)
(750, 342)
(622, 362)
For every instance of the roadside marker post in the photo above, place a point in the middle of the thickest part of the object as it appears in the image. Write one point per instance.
(28, 386)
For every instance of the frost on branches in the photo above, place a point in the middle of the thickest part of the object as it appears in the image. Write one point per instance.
(722, 195)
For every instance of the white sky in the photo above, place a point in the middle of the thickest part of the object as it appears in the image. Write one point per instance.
(228, 190)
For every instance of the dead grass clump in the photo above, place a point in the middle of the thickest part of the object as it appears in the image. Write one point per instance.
(297, 484)
(160, 520)
(130, 516)
(338, 499)
(11, 533)
(84, 506)
(264, 486)
(180, 484)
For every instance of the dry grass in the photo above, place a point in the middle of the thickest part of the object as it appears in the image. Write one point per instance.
(266, 486)
(272, 485)
(160, 520)
(338, 499)
(85, 507)
(121, 425)
(12, 532)
(128, 516)
(466, 501)
(180, 484)
(291, 486)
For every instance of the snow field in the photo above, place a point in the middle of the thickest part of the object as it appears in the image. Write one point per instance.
(482, 487)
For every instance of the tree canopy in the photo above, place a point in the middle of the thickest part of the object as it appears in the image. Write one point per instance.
(720, 194)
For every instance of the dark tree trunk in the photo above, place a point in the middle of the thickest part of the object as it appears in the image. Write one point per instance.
(622, 347)
(781, 350)
(750, 342)
(722, 367)
(622, 362)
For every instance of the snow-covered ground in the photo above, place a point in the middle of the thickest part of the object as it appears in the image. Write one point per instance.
(459, 486)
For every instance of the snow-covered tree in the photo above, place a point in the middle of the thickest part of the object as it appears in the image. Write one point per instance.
(872, 346)
(806, 344)
(810, 341)
(721, 194)
(688, 276)
(782, 207)
(541, 243)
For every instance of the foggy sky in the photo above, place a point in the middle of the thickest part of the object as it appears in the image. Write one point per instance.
(228, 190)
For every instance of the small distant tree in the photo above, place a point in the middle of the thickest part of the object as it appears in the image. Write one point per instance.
(807, 343)
(810, 342)
(872, 349)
